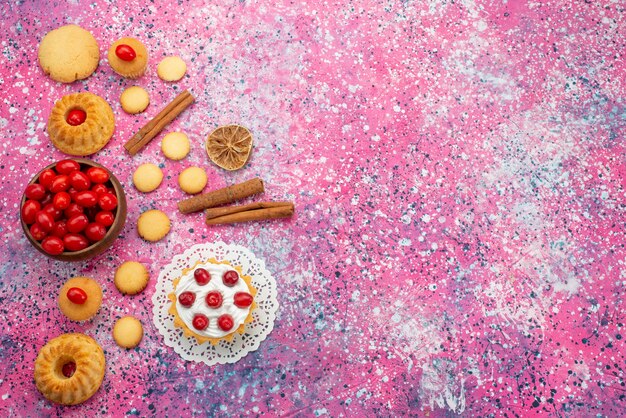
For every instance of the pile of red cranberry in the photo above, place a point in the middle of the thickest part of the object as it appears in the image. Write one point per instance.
(69, 207)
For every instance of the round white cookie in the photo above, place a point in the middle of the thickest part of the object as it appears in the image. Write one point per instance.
(134, 100)
(171, 69)
(192, 180)
(147, 177)
(175, 145)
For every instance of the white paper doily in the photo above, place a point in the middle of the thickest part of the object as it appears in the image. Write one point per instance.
(242, 344)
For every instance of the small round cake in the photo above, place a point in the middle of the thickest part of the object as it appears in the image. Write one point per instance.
(69, 369)
(153, 225)
(171, 69)
(147, 177)
(69, 53)
(128, 332)
(192, 180)
(134, 100)
(81, 123)
(128, 57)
(175, 145)
(80, 298)
(131, 277)
(212, 301)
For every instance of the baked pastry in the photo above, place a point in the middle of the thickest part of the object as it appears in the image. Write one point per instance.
(171, 69)
(212, 301)
(80, 298)
(192, 180)
(175, 145)
(131, 277)
(147, 177)
(69, 53)
(81, 123)
(69, 369)
(128, 57)
(134, 100)
(153, 225)
(127, 332)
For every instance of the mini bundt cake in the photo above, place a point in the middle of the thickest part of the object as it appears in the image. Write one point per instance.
(81, 123)
(69, 369)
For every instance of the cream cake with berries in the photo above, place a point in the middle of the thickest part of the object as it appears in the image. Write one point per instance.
(212, 301)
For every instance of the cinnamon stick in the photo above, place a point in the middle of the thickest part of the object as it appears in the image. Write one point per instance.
(222, 196)
(229, 210)
(160, 121)
(137, 138)
(132, 142)
(283, 211)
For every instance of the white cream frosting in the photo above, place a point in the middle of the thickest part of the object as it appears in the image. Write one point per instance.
(188, 284)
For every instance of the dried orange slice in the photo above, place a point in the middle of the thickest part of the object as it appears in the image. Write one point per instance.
(229, 146)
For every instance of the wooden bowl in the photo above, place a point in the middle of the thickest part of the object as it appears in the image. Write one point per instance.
(112, 232)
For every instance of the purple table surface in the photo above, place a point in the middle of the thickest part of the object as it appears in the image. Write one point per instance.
(458, 172)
